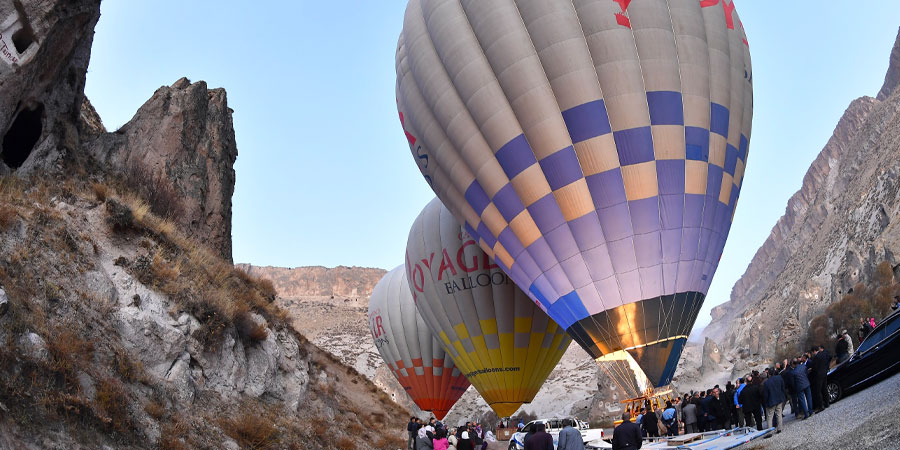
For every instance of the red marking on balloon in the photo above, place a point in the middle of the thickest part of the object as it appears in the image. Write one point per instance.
(621, 18)
(460, 261)
(743, 34)
(409, 137)
(728, 8)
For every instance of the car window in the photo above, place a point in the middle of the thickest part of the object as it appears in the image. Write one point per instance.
(871, 340)
(528, 428)
(892, 326)
(553, 424)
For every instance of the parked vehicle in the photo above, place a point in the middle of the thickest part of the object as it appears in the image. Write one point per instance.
(554, 426)
(878, 357)
(588, 434)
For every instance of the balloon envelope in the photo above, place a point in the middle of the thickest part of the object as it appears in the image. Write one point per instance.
(594, 148)
(504, 344)
(408, 347)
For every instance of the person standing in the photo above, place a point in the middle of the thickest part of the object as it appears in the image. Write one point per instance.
(423, 441)
(650, 423)
(864, 329)
(736, 405)
(569, 437)
(751, 401)
(411, 429)
(440, 441)
(849, 342)
(817, 372)
(773, 399)
(728, 406)
(627, 436)
(464, 443)
(703, 410)
(689, 412)
(842, 350)
(670, 419)
(540, 440)
(721, 415)
(679, 415)
(801, 386)
(452, 440)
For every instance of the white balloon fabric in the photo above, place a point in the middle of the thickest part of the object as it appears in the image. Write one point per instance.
(410, 350)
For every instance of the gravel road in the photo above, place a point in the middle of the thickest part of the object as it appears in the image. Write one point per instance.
(869, 419)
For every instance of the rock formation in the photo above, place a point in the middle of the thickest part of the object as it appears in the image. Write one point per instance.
(122, 329)
(182, 138)
(45, 47)
(836, 229)
(341, 281)
(711, 357)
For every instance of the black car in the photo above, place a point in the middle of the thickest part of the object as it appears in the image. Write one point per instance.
(878, 357)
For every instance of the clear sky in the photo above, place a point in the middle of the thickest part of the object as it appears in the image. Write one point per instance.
(324, 174)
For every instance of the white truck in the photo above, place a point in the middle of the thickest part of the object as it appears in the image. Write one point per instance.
(554, 426)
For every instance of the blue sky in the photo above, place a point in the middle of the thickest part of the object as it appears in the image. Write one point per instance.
(324, 175)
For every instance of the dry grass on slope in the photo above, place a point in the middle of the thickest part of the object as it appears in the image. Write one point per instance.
(80, 379)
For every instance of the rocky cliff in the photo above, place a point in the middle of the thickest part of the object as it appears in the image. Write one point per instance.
(836, 229)
(45, 47)
(341, 281)
(123, 323)
(181, 140)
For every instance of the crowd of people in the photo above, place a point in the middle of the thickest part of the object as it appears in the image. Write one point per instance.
(756, 400)
(434, 435)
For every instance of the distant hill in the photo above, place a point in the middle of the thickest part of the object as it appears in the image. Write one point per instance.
(340, 281)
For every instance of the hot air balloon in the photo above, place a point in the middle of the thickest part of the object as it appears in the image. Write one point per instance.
(504, 344)
(594, 148)
(410, 350)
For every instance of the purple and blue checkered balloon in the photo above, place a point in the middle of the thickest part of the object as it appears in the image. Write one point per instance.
(595, 148)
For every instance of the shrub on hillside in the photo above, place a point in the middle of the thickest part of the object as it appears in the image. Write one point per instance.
(864, 300)
(155, 189)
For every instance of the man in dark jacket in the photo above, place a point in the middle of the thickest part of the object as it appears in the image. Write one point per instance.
(650, 423)
(540, 440)
(842, 350)
(801, 387)
(751, 401)
(818, 370)
(728, 405)
(717, 412)
(626, 436)
(411, 428)
(773, 399)
(704, 420)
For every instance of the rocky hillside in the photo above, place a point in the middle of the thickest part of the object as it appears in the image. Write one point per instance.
(318, 281)
(123, 322)
(326, 305)
(844, 221)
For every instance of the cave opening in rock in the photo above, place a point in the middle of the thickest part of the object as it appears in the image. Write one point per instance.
(23, 134)
(22, 39)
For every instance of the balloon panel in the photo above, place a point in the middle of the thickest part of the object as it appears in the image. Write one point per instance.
(407, 346)
(504, 344)
(595, 150)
